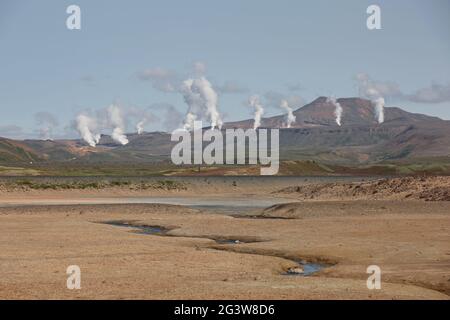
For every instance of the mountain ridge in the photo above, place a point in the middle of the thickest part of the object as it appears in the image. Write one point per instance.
(315, 135)
(320, 112)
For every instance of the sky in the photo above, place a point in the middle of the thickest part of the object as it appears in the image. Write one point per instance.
(134, 54)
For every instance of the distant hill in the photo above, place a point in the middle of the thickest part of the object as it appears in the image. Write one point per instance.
(356, 112)
(314, 136)
(16, 151)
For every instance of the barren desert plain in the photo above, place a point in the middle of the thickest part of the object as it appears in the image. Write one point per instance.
(225, 237)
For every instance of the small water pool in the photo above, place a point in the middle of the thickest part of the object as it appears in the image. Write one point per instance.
(305, 269)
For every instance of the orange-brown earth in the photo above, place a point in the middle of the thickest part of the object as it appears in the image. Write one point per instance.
(407, 237)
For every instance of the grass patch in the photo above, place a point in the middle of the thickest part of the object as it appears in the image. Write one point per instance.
(18, 171)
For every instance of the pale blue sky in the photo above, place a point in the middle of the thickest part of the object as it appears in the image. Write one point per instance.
(263, 46)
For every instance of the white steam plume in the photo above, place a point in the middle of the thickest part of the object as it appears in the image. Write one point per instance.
(141, 116)
(337, 111)
(210, 99)
(379, 109)
(140, 126)
(115, 118)
(259, 110)
(189, 121)
(202, 100)
(46, 122)
(194, 102)
(85, 125)
(374, 91)
(290, 118)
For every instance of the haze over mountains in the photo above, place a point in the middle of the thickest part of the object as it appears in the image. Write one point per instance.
(314, 135)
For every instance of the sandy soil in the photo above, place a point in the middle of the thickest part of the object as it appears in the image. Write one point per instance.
(408, 239)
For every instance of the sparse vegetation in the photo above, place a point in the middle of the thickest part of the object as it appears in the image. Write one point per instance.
(17, 171)
(166, 185)
(48, 184)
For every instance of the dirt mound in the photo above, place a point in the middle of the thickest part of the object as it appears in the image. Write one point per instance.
(425, 188)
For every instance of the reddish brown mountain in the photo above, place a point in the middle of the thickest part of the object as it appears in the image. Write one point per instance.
(314, 136)
(355, 112)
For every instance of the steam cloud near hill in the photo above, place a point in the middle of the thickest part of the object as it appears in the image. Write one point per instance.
(259, 110)
(141, 117)
(376, 91)
(337, 111)
(379, 109)
(46, 123)
(290, 118)
(140, 126)
(112, 120)
(85, 126)
(116, 120)
(197, 91)
(202, 102)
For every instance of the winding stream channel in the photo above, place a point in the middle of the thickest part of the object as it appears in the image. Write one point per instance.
(304, 268)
